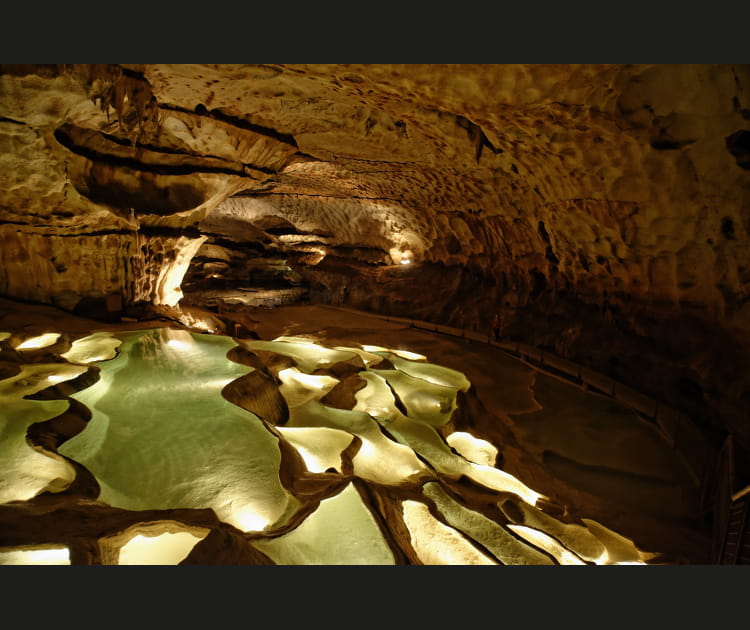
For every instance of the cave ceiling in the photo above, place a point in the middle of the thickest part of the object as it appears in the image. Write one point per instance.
(606, 172)
(616, 176)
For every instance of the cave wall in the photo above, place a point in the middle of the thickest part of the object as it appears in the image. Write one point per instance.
(64, 270)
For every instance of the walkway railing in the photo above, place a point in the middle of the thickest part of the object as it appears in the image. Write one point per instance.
(732, 511)
(676, 428)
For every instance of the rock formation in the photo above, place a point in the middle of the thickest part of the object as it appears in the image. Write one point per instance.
(603, 207)
(309, 442)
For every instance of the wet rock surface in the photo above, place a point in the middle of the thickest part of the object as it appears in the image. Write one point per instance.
(507, 404)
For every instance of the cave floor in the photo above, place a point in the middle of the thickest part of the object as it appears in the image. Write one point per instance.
(589, 457)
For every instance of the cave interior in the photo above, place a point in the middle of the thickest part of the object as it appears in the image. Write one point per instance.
(602, 209)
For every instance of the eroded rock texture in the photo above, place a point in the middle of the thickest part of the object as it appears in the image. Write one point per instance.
(604, 208)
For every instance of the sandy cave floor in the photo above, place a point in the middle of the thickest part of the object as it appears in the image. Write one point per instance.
(590, 456)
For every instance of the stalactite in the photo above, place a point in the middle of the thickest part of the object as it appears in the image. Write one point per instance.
(131, 98)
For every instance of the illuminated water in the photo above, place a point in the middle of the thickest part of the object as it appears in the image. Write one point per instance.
(162, 435)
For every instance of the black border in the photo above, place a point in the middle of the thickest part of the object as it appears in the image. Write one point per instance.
(390, 597)
(390, 32)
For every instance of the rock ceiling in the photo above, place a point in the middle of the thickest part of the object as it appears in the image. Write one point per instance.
(560, 191)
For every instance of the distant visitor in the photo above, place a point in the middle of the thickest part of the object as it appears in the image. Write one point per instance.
(497, 326)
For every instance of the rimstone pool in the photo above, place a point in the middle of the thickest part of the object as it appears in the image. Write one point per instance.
(361, 466)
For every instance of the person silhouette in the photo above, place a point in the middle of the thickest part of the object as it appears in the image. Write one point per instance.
(497, 326)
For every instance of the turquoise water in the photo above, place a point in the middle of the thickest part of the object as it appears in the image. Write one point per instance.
(162, 435)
